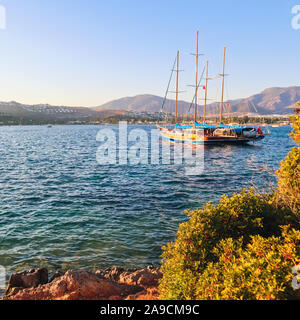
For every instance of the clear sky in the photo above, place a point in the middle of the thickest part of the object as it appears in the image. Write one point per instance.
(88, 52)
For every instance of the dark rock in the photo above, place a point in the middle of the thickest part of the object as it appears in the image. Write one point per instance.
(27, 279)
(57, 274)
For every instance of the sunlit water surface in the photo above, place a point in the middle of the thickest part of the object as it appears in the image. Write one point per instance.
(59, 208)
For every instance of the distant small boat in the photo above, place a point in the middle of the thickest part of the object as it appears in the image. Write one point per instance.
(49, 126)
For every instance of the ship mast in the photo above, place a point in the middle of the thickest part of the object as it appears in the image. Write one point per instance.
(176, 104)
(223, 80)
(196, 86)
(205, 100)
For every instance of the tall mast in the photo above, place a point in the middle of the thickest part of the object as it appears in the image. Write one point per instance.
(223, 80)
(196, 86)
(176, 104)
(205, 101)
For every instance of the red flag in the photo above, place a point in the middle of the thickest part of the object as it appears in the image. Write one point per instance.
(204, 87)
(227, 105)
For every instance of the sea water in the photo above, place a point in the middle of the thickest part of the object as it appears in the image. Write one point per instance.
(60, 208)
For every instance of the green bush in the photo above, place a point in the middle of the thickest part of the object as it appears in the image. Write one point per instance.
(295, 134)
(289, 174)
(262, 271)
(237, 249)
(289, 181)
(240, 217)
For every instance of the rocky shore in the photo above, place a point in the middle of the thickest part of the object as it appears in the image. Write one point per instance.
(110, 284)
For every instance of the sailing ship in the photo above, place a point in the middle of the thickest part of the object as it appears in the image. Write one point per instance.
(205, 133)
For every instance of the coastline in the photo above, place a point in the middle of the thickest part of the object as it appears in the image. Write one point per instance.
(115, 283)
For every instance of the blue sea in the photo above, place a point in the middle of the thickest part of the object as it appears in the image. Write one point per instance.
(60, 208)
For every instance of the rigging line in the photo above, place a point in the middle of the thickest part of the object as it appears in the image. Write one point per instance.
(227, 99)
(254, 107)
(217, 103)
(192, 103)
(169, 83)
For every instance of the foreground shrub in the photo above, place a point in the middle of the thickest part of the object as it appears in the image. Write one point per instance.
(235, 250)
(295, 134)
(240, 217)
(289, 181)
(289, 174)
(262, 271)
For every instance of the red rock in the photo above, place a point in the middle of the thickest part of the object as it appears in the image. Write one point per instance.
(111, 273)
(146, 278)
(149, 294)
(77, 285)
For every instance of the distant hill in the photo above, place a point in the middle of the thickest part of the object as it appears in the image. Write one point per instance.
(269, 101)
(143, 103)
(46, 112)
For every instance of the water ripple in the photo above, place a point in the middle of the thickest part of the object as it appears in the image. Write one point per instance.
(59, 208)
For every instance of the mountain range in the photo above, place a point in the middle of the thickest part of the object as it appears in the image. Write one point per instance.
(272, 101)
